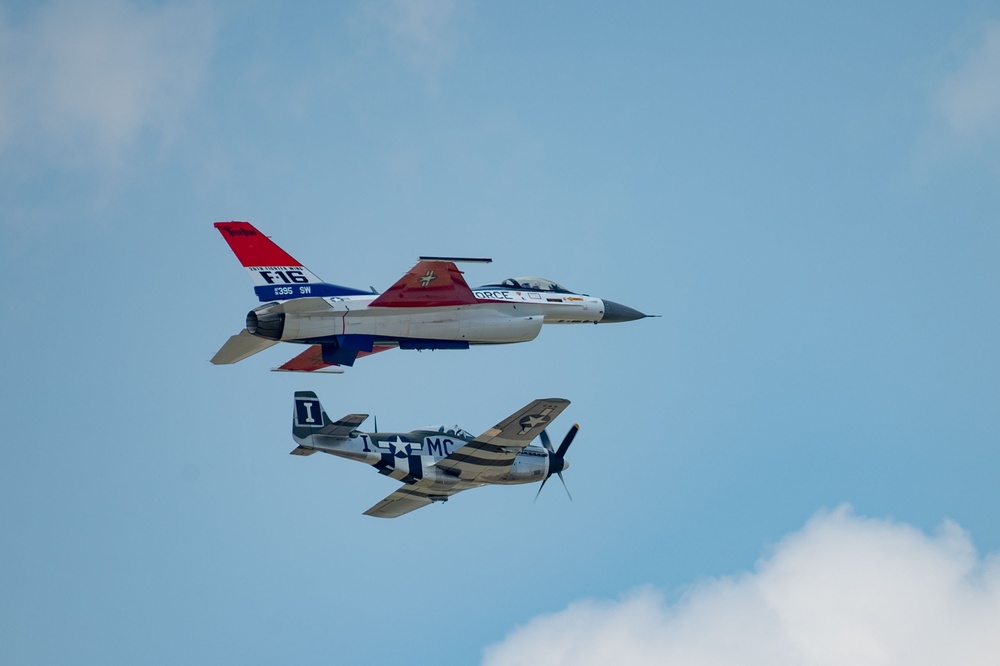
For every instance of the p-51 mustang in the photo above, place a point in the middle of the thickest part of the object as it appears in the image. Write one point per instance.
(435, 463)
(431, 307)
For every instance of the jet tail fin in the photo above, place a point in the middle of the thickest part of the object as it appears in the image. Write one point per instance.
(276, 275)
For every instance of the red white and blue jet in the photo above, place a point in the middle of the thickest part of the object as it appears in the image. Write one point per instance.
(431, 307)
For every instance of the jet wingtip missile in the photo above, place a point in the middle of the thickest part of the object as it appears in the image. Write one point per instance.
(466, 260)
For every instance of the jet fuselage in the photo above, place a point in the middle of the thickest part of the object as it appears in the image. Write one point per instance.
(499, 317)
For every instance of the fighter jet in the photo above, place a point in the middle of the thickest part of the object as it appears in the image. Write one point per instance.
(435, 463)
(431, 307)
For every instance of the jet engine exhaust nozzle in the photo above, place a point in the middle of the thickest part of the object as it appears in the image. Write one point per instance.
(266, 323)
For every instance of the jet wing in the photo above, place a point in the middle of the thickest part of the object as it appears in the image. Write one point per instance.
(496, 448)
(311, 360)
(409, 498)
(239, 347)
(428, 284)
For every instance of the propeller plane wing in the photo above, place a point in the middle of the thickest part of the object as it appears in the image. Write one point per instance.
(409, 498)
(497, 448)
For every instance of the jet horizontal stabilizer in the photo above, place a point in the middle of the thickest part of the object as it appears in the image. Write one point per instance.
(239, 347)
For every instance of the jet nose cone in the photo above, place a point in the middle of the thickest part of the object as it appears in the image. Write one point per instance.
(614, 312)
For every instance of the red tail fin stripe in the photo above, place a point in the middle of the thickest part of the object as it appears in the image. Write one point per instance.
(252, 247)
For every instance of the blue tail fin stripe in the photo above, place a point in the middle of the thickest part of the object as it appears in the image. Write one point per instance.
(284, 292)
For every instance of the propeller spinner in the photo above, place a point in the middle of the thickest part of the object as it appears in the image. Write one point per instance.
(557, 458)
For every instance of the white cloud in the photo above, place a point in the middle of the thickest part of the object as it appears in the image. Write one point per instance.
(968, 99)
(843, 590)
(80, 81)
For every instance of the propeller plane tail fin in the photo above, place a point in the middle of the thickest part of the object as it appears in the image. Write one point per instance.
(309, 419)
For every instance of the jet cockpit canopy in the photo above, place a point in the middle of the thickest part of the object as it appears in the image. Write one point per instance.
(533, 284)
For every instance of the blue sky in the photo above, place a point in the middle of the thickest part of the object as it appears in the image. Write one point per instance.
(808, 436)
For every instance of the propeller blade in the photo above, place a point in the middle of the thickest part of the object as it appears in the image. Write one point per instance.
(564, 486)
(546, 441)
(567, 440)
(540, 488)
(556, 458)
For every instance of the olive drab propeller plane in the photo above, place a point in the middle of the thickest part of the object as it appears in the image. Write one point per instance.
(431, 307)
(435, 463)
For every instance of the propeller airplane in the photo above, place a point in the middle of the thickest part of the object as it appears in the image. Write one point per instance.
(431, 307)
(437, 462)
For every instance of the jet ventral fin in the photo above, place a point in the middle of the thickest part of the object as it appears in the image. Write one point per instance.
(428, 284)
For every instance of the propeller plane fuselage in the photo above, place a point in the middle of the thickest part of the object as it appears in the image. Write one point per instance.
(431, 307)
(412, 455)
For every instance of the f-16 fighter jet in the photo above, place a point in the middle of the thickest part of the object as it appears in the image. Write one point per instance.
(431, 307)
(437, 462)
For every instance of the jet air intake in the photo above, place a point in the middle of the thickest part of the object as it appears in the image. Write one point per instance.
(266, 322)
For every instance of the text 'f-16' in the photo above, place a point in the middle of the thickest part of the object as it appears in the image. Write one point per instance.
(435, 463)
(431, 307)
